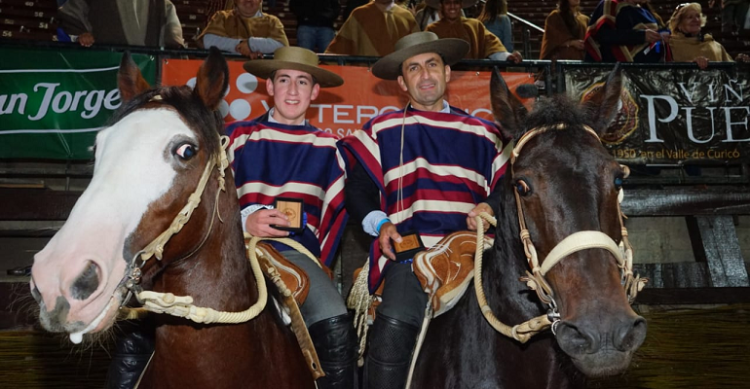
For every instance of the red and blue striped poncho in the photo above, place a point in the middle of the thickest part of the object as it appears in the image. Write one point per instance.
(451, 162)
(275, 160)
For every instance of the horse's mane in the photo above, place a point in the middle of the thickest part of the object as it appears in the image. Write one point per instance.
(195, 114)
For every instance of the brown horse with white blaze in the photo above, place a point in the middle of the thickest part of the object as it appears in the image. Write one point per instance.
(562, 183)
(162, 152)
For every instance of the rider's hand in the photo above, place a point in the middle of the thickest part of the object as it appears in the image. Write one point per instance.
(387, 232)
(259, 223)
(472, 223)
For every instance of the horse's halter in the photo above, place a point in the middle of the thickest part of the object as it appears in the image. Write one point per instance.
(578, 241)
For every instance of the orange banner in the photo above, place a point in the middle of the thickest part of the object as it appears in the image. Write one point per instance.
(346, 108)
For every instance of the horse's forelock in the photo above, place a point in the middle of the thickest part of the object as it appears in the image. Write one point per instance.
(555, 110)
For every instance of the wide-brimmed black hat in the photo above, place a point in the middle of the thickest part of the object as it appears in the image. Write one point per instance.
(295, 58)
(452, 50)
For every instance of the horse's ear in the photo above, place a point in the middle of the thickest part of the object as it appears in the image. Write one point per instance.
(213, 79)
(507, 109)
(604, 103)
(130, 81)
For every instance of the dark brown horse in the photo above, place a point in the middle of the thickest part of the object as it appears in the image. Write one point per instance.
(165, 143)
(566, 182)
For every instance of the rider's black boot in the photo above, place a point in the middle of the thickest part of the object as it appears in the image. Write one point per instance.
(389, 353)
(335, 341)
(133, 350)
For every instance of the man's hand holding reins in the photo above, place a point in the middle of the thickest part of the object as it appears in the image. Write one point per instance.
(471, 221)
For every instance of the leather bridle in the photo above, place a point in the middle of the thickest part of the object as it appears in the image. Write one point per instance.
(578, 241)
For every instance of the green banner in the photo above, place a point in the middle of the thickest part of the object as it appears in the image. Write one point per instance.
(52, 102)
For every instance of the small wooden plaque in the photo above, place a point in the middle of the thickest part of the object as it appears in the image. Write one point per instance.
(293, 209)
(411, 244)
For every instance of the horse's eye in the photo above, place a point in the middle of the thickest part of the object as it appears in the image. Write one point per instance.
(522, 187)
(618, 183)
(186, 151)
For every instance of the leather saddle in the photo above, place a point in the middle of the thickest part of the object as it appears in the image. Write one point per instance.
(294, 277)
(446, 269)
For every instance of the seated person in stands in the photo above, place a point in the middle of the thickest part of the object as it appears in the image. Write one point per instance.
(122, 22)
(564, 30)
(315, 23)
(687, 42)
(426, 15)
(625, 31)
(495, 17)
(733, 15)
(483, 44)
(373, 29)
(244, 30)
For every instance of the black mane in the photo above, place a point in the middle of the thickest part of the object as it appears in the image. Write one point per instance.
(554, 110)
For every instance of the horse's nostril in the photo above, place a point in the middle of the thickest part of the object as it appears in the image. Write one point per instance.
(576, 341)
(86, 283)
(631, 335)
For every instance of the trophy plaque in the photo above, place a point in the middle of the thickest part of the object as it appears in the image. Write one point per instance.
(411, 244)
(293, 209)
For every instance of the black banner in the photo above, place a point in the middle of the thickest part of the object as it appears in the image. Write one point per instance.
(672, 116)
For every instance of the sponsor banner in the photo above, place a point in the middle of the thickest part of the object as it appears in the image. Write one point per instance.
(345, 109)
(674, 116)
(52, 102)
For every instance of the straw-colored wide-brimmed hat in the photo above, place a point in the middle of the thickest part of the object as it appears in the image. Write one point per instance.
(452, 50)
(436, 3)
(295, 58)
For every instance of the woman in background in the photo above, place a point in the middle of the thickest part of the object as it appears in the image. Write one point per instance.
(564, 30)
(687, 42)
(494, 16)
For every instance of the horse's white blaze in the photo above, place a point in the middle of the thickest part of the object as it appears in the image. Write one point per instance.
(134, 167)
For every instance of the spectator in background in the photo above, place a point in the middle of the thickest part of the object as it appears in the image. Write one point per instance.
(244, 30)
(494, 15)
(122, 22)
(483, 44)
(687, 42)
(351, 5)
(315, 22)
(733, 13)
(373, 30)
(564, 30)
(625, 31)
(426, 16)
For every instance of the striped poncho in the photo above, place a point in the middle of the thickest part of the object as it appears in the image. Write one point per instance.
(451, 162)
(274, 160)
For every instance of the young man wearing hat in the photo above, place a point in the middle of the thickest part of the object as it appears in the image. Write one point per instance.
(423, 169)
(279, 154)
(483, 43)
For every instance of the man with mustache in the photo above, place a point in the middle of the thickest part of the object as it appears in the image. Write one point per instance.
(425, 169)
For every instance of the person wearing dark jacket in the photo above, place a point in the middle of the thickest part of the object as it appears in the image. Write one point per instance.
(315, 22)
